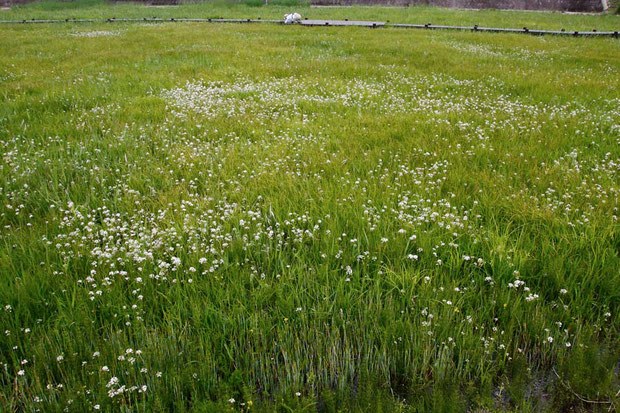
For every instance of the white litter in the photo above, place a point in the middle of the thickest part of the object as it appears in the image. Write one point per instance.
(292, 18)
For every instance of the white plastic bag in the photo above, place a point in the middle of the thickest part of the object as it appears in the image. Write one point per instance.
(292, 18)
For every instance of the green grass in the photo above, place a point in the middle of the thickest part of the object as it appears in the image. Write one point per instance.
(277, 8)
(306, 219)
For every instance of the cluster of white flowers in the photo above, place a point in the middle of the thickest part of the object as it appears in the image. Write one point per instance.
(95, 33)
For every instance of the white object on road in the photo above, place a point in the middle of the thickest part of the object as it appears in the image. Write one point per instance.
(292, 18)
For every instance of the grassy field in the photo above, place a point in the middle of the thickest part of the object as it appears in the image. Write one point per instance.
(201, 217)
(277, 8)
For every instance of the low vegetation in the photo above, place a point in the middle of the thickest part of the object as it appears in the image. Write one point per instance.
(221, 217)
(277, 8)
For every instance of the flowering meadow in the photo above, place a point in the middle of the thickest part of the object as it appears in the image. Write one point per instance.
(202, 217)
